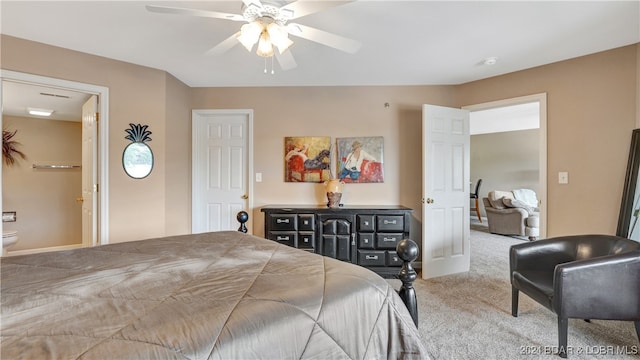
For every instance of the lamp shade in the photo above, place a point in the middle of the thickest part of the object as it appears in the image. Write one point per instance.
(279, 37)
(249, 34)
(265, 49)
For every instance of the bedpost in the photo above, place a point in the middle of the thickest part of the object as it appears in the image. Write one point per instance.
(242, 217)
(408, 250)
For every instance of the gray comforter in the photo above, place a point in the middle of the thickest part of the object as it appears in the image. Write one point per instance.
(224, 295)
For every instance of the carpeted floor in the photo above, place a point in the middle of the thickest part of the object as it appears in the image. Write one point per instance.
(468, 315)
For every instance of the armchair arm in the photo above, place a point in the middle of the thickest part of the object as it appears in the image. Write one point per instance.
(506, 221)
(605, 287)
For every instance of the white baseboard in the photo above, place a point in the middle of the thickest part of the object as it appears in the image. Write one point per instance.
(42, 250)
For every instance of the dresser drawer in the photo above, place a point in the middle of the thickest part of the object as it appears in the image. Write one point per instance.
(393, 259)
(306, 222)
(283, 237)
(390, 223)
(280, 222)
(371, 258)
(365, 223)
(365, 241)
(387, 240)
(306, 240)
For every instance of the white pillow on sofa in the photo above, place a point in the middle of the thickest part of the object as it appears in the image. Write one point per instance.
(513, 203)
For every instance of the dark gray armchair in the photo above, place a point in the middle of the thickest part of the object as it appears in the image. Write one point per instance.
(583, 276)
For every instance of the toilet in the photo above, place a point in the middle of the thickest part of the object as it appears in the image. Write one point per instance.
(9, 238)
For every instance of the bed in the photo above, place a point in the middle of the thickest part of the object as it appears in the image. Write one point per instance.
(221, 295)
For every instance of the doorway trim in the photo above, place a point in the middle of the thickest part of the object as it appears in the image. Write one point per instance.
(103, 137)
(541, 99)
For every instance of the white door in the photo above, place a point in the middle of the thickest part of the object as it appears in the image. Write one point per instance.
(220, 168)
(445, 233)
(89, 173)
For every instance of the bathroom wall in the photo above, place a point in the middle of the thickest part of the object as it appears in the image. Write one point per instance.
(45, 200)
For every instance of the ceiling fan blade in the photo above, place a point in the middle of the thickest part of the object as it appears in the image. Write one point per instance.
(302, 8)
(286, 60)
(194, 12)
(224, 46)
(325, 38)
(248, 3)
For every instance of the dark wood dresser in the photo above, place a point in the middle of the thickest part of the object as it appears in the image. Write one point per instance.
(363, 235)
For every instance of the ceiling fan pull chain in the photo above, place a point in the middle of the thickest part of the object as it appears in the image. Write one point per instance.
(265, 65)
(272, 72)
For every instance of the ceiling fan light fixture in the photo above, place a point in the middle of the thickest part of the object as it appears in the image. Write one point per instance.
(265, 48)
(279, 37)
(249, 34)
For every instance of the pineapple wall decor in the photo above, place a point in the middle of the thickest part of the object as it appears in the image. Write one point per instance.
(137, 158)
(10, 150)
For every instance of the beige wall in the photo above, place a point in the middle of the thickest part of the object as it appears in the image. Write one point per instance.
(591, 112)
(505, 161)
(334, 112)
(178, 158)
(44, 200)
(137, 94)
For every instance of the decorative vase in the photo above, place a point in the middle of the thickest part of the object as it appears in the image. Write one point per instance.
(334, 192)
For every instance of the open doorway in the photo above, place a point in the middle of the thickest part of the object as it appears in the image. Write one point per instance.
(55, 162)
(509, 149)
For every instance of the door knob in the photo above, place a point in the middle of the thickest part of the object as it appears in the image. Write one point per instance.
(430, 201)
(79, 200)
(244, 197)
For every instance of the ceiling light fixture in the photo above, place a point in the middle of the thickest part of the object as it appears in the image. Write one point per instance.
(267, 33)
(266, 27)
(39, 112)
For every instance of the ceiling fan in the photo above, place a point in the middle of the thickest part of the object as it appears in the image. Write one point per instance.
(267, 25)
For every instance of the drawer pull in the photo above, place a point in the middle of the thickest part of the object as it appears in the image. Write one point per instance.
(371, 257)
(280, 238)
(280, 221)
(389, 222)
(388, 239)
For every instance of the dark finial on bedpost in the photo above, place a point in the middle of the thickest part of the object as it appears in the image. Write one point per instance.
(408, 250)
(242, 217)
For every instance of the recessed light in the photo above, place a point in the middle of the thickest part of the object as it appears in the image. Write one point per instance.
(39, 112)
(490, 61)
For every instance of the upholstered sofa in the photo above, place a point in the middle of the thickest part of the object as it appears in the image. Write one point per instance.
(513, 213)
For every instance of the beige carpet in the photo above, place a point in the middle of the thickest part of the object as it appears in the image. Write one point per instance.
(468, 315)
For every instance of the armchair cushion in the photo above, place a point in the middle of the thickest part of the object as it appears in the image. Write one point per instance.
(496, 198)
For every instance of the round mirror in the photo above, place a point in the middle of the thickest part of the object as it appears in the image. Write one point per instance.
(137, 160)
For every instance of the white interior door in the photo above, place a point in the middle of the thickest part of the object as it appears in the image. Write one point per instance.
(221, 167)
(89, 173)
(445, 233)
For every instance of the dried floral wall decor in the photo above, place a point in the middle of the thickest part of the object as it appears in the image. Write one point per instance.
(10, 150)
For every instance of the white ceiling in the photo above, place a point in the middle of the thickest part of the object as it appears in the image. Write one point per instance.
(17, 98)
(507, 118)
(403, 42)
